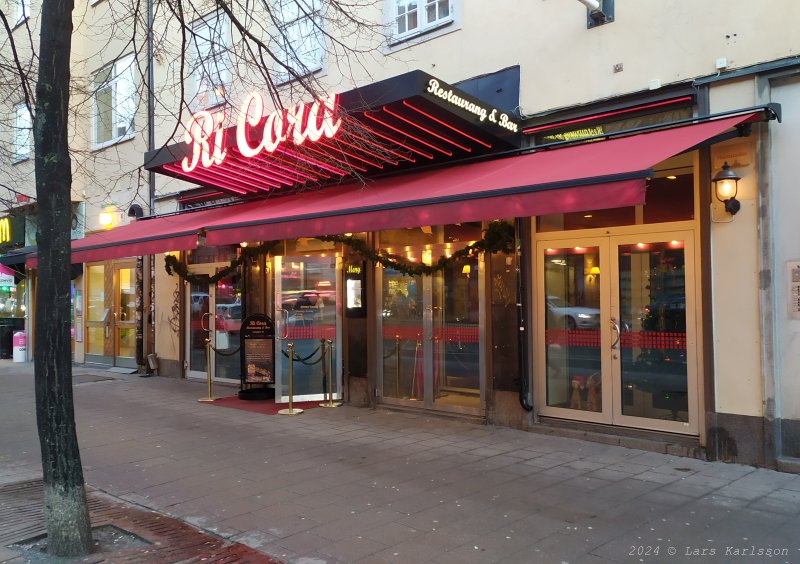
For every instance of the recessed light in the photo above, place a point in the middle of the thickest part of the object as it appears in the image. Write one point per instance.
(672, 177)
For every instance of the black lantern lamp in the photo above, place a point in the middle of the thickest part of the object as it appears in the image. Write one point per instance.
(726, 186)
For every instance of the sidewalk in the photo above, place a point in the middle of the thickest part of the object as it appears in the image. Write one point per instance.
(353, 485)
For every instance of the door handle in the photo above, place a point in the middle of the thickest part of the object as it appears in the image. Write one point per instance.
(615, 326)
(284, 325)
(202, 326)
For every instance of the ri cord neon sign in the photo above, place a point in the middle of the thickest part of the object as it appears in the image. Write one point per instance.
(258, 133)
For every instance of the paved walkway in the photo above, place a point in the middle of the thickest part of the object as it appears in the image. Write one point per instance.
(362, 486)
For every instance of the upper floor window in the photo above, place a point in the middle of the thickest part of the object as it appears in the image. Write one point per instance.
(114, 102)
(299, 41)
(209, 63)
(22, 133)
(416, 16)
(21, 11)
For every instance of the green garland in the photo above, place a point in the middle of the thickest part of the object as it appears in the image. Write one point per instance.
(498, 237)
(172, 264)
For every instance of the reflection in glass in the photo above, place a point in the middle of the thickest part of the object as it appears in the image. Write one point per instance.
(198, 325)
(127, 296)
(127, 343)
(308, 293)
(652, 298)
(572, 328)
(402, 335)
(95, 337)
(95, 293)
(227, 325)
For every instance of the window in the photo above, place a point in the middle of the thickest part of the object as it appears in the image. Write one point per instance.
(415, 16)
(114, 102)
(22, 133)
(300, 42)
(209, 64)
(22, 11)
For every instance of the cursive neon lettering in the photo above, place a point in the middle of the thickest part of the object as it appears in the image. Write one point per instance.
(258, 133)
(202, 127)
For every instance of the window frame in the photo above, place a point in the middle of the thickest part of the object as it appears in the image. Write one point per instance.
(424, 26)
(309, 13)
(118, 69)
(218, 35)
(21, 152)
(22, 14)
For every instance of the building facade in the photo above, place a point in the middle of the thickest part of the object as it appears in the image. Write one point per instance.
(630, 304)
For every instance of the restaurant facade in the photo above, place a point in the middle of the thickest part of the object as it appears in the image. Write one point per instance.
(611, 254)
(419, 248)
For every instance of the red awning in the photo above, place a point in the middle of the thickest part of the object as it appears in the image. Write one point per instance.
(590, 176)
(605, 174)
(144, 237)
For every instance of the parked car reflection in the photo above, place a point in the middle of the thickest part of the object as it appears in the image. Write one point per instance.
(561, 314)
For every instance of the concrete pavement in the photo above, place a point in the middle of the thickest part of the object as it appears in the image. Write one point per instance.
(353, 485)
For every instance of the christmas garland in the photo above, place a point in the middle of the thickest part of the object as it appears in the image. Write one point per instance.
(498, 237)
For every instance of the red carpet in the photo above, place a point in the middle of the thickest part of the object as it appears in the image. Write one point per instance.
(267, 407)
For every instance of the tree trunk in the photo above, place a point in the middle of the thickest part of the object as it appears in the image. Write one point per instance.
(65, 509)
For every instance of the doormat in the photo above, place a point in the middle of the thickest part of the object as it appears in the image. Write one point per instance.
(123, 370)
(267, 407)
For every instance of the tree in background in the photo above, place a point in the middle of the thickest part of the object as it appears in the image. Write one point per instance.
(274, 45)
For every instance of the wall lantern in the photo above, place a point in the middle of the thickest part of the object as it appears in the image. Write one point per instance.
(593, 273)
(106, 218)
(726, 186)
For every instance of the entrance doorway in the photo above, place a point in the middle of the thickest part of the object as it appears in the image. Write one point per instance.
(431, 334)
(111, 314)
(617, 330)
(215, 312)
(308, 314)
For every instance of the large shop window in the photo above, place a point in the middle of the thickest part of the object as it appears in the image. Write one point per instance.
(208, 60)
(114, 102)
(22, 133)
(300, 41)
(416, 16)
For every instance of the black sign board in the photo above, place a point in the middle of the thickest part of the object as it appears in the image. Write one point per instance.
(257, 337)
(355, 290)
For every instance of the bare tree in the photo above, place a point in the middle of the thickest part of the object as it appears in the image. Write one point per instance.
(223, 46)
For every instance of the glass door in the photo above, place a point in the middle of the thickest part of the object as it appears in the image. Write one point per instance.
(124, 319)
(616, 337)
(309, 317)
(215, 312)
(430, 329)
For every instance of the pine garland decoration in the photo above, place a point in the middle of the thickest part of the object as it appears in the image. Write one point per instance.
(498, 237)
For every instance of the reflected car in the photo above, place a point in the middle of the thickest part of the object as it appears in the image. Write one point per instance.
(561, 314)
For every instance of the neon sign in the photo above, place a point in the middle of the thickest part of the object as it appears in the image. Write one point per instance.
(257, 133)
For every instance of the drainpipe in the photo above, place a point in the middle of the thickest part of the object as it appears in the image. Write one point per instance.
(522, 332)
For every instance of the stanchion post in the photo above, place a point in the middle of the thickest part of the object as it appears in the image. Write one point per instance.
(397, 365)
(330, 402)
(291, 410)
(208, 370)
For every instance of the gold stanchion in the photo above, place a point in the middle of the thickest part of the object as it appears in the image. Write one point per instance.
(414, 373)
(330, 402)
(208, 370)
(397, 366)
(291, 410)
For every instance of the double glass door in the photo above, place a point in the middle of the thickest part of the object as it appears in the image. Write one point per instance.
(308, 314)
(617, 330)
(111, 314)
(215, 312)
(430, 329)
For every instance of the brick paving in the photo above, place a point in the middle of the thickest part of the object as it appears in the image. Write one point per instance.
(168, 540)
(363, 486)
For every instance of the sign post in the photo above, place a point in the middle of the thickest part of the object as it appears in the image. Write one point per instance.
(257, 342)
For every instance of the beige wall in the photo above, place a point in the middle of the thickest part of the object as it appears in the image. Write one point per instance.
(734, 269)
(167, 317)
